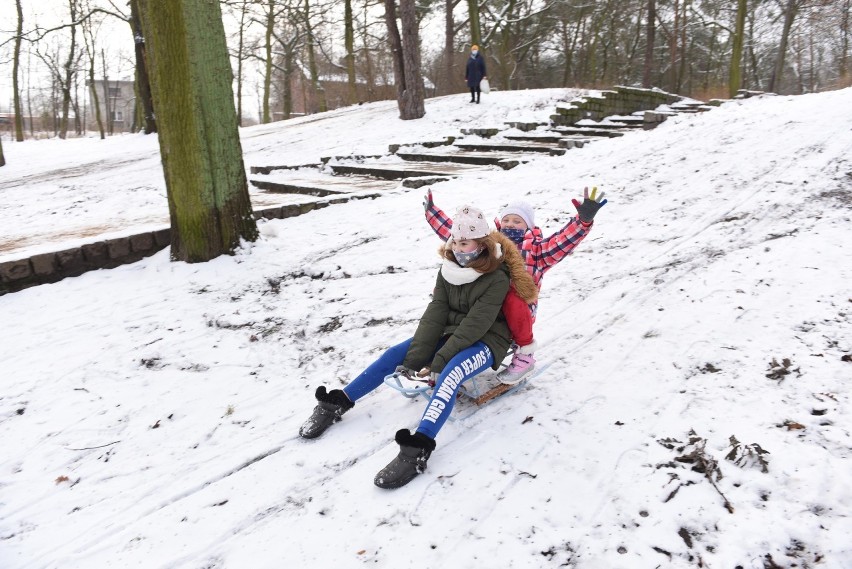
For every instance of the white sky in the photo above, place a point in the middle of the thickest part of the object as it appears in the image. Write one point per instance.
(149, 413)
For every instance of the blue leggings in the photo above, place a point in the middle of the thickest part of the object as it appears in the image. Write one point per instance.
(463, 366)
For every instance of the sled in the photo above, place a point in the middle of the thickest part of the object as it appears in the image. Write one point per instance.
(479, 390)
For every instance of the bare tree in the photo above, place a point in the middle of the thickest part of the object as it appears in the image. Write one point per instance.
(88, 28)
(191, 81)
(412, 104)
(395, 41)
(271, 12)
(789, 15)
(144, 99)
(240, 53)
(349, 47)
(475, 28)
(843, 63)
(16, 91)
(735, 78)
(312, 58)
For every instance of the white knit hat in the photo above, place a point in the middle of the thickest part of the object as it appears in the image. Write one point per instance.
(469, 223)
(521, 209)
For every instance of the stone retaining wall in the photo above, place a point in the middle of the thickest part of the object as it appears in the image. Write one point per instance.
(620, 101)
(46, 268)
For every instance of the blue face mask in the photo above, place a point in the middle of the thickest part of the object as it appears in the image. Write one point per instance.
(464, 258)
(514, 235)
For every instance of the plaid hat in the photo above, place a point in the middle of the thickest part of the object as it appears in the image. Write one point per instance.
(469, 223)
(522, 210)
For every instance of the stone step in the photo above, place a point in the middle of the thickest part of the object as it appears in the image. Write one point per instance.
(587, 131)
(315, 183)
(525, 126)
(545, 138)
(483, 132)
(608, 125)
(622, 121)
(268, 169)
(466, 157)
(575, 141)
(542, 147)
(420, 170)
(394, 148)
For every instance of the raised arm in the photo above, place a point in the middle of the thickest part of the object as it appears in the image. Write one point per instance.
(436, 218)
(550, 251)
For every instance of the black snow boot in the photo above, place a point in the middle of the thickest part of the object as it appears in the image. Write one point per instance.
(331, 406)
(414, 451)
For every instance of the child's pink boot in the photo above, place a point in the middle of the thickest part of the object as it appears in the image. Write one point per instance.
(521, 366)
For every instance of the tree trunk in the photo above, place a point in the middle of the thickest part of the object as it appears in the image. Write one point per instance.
(240, 52)
(143, 82)
(287, 90)
(107, 102)
(413, 99)
(449, 51)
(753, 65)
(191, 79)
(2, 157)
(843, 70)
(16, 92)
(312, 61)
(349, 46)
(735, 79)
(89, 42)
(650, 38)
(673, 49)
(505, 48)
(98, 118)
(681, 73)
(267, 72)
(65, 82)
(369, 67)
(475, 28)
(396, 51)
(789, 16)
(29, 94)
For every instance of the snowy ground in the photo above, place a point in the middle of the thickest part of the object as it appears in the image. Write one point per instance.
(149, 413)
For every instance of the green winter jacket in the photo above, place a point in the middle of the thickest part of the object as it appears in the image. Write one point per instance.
(466, 313)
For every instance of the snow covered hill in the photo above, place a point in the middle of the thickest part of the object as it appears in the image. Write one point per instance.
(695, 411)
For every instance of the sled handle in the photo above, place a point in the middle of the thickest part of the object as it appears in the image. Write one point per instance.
(394, 380)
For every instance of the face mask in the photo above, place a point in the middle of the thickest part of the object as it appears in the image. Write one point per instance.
(474, 52)
(515, 235)
(464, 259)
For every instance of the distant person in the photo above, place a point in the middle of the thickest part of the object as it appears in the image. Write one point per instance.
(474, 73)
(518, 224)
(461, 334)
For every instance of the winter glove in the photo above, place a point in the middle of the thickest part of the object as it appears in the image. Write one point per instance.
(591, 204)
(406, 372)
(427, 200)
(427, 372)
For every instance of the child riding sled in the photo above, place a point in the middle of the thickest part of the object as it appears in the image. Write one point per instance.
(461, 333)
(540, 255)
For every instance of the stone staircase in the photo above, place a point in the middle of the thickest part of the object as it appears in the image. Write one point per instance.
(613, 113)
(338, 179)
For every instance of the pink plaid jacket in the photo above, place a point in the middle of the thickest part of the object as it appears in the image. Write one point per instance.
(539, 254)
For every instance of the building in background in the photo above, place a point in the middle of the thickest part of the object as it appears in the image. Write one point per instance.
(117, 101)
